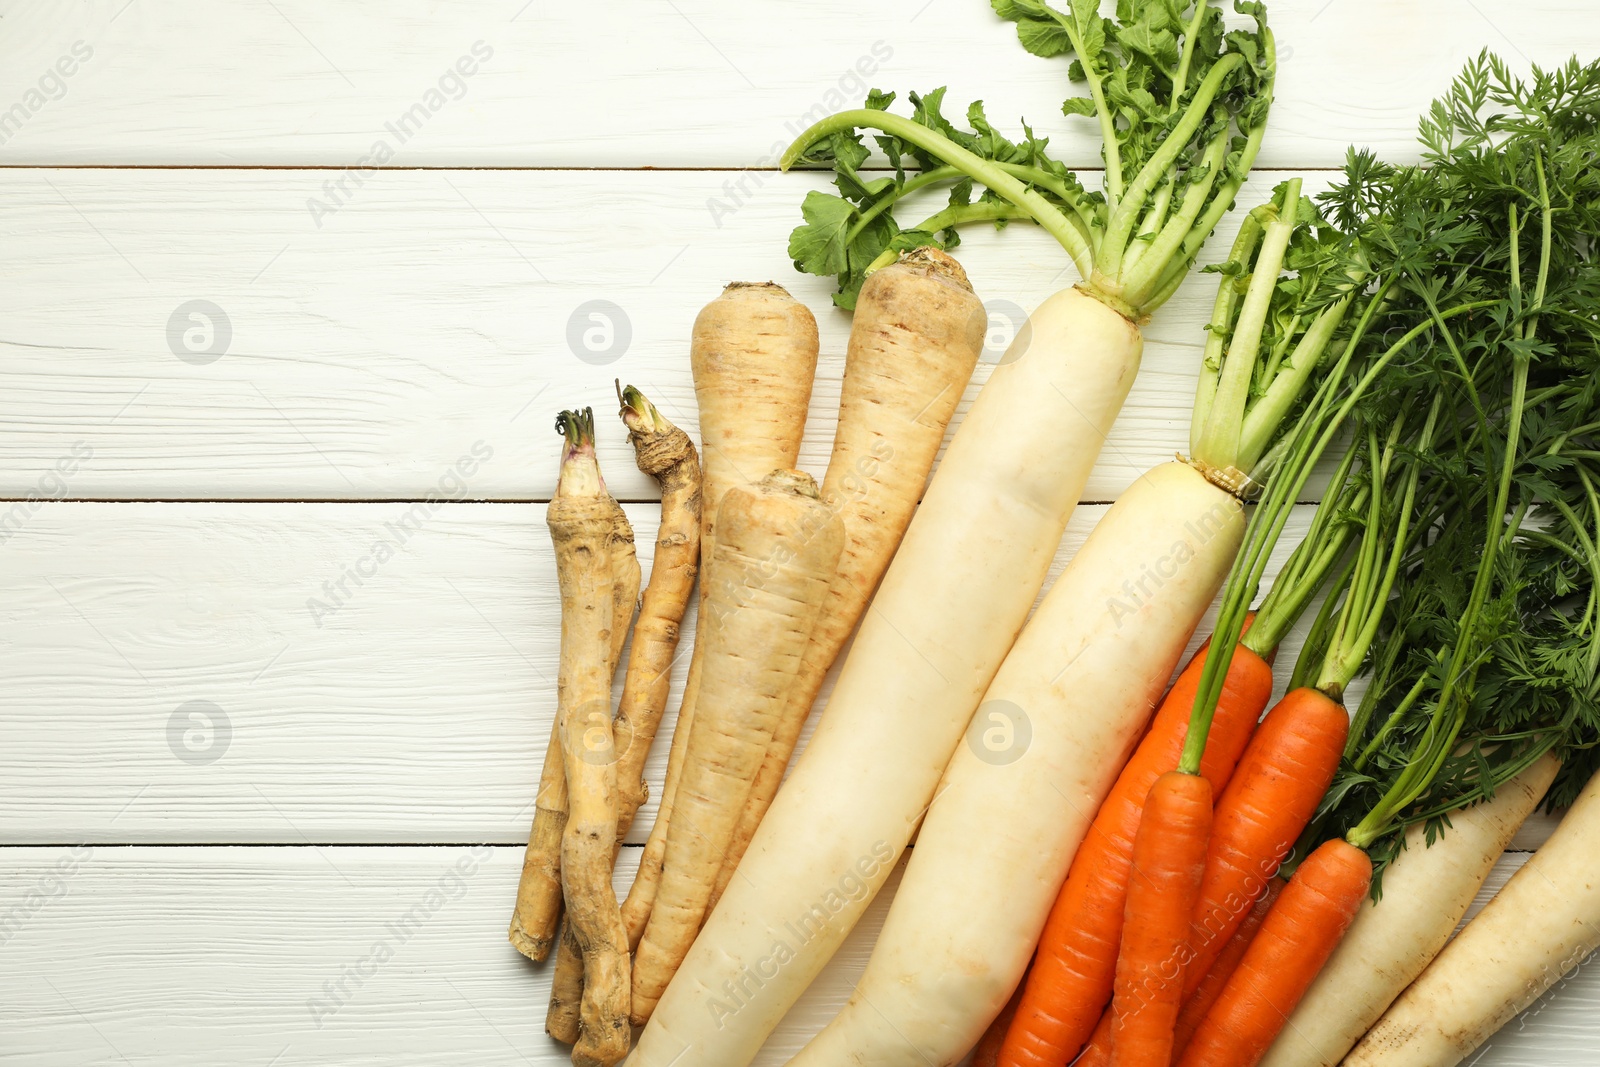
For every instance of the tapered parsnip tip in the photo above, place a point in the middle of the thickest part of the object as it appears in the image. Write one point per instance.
(935, 262)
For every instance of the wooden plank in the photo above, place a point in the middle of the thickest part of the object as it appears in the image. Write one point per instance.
(692, 83)
(200, 956)
(418, 711)
(427, 321)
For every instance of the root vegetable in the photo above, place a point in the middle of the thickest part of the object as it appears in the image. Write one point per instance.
(1297, 936)
(1169, 857)
(1543, 923)
(582, 529)
(921, 661)
(914, 341)
(664, 452)
(959, 589)
(1084, 677)
(1274, 792)
(1071, 980)
(536, 918)
(1215, 979)
(1426, 890)
(777, 549)
(753, 351)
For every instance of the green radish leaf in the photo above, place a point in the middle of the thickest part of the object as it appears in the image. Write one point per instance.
(819, 246)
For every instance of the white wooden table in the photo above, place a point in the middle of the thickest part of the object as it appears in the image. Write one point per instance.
(323, 874)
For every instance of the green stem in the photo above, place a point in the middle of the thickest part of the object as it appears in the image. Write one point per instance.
(1108, 125)
(1219, 441)
(1318, 426)
(1317, 636)
(1369, 596)
(1058, 225)
(1222, 314)
(912, 184)
(1308, 565)
(951, 217)
(1145, 271)
(1124, 215)
(1264, 418)
(1171, 275)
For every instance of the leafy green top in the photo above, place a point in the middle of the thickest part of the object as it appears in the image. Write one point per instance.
(1488, 652)
(1181, 105)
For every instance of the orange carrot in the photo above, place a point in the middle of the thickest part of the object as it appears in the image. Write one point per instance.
(1072, 974)
(1298, 935)
(1272, 795)
(1169, 857)
(1201, 988)
(1211, 984)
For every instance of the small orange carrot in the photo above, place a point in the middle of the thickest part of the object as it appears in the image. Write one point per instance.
(1198, 1002)
(1298, 935)
(1072, 974)
(1201, 988)
(1169, 857)
(1272, 795)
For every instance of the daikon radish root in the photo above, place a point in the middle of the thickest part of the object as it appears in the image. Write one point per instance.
(664, 452)
(916, 336)
(582, 529)
(1045, 746)
(776, 552)
(1426, 890)
(536, 917)
(928, 997)
(1544, 922)
(753, 352)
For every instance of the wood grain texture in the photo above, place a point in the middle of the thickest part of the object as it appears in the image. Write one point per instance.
(381, 326)
(431, 315)
(187, 957)
(669, 83)
(416, 712)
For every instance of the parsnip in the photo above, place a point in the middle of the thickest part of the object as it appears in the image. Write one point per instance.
(944, 617)
(777, 549)
(915, 339)
(754, 356)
